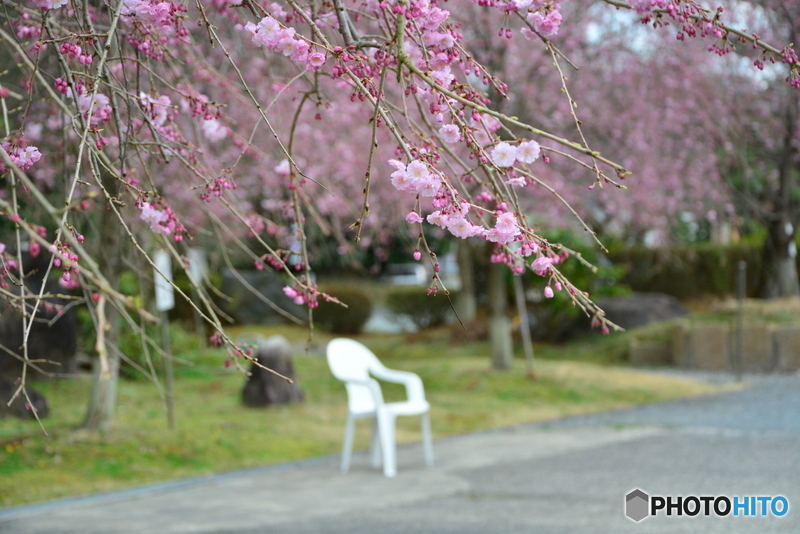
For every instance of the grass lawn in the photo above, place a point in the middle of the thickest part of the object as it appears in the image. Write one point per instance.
(216, 433)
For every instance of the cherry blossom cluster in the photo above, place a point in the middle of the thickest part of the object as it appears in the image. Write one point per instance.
(99, 105)
(545, 22)
(72, 51)
(415, 177)
(25, 31)
(697, 21)
(305, 292)
(198, 104)
(20, 153)
(70, 270)
(156, 25)
(216, 187)
(156, 109)
(270, 34)
(278, 264)
(506, 155)
(161, 219)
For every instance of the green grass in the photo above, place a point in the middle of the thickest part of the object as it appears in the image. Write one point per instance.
(216, 433)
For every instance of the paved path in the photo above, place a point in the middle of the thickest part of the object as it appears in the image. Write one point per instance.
(569, 476)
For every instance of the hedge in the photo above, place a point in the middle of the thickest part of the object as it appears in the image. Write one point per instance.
(688, 272)
(338, 319)
(424, 310)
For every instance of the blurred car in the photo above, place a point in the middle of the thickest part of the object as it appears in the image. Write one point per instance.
(406, 274)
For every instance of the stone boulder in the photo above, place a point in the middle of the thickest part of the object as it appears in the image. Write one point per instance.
(263, 388)
(20, 408)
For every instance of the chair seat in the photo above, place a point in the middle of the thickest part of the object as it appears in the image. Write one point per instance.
(397, 408)
(408, 407)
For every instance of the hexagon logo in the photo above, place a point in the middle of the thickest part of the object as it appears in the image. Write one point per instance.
(637, 505)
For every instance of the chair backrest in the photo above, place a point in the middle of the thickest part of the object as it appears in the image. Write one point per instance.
(350, 360)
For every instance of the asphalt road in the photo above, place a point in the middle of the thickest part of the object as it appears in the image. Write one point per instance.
(568, 476)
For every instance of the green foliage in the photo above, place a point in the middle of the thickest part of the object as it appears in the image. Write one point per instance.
(338, 319)
(183, 311)
(424, 310)
(185, 345)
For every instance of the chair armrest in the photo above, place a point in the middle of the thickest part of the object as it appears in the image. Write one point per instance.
(413, 383)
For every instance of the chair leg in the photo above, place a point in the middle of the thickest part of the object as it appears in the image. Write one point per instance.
(427, 444)
(386, 423)
(347, 450)
(376, 444)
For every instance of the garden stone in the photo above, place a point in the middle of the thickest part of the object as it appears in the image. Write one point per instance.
(18, 408)
(266, 389)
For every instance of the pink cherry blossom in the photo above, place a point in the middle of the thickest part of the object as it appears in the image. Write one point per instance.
(450, 133)
(413, 217)
(316, 59)
(429, 186)
(214, 131)
(283, 168)
(504, 154)
(417, 171)
(437, 218)
(459, 226)
(518, 181)
(401, 181)
(528, 151)
(505, 230)
(541, 265)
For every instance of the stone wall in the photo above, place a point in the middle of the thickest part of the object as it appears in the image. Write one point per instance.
(713, 347)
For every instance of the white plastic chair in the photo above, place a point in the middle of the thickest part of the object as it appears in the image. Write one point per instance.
(353, 363)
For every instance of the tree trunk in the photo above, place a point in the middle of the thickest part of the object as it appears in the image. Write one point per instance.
(467, 303)
(499, 325)
(780, 257)
(781, 252)
(103, 399)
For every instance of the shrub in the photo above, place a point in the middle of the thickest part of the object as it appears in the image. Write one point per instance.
(338, 319)
(424, 310)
